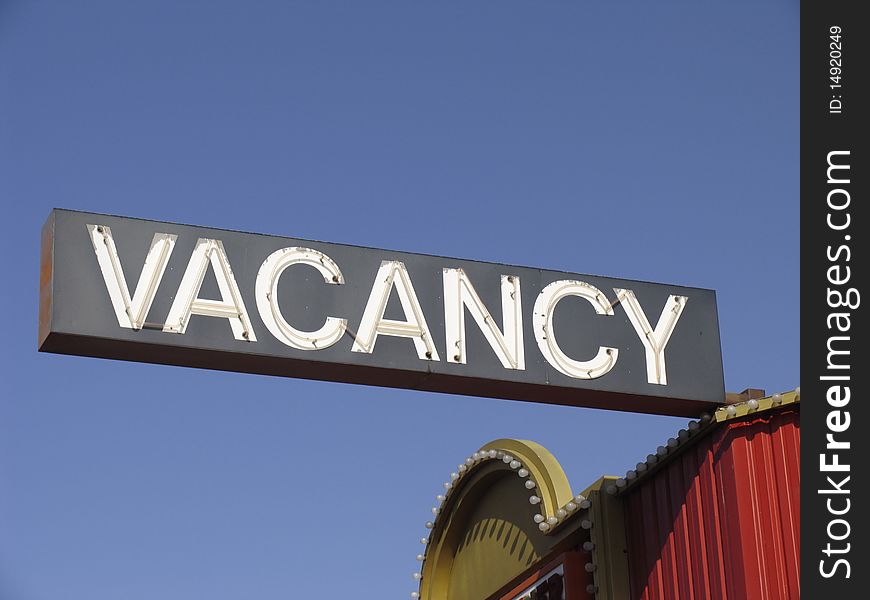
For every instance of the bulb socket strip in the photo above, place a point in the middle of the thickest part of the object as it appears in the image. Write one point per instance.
(742, 409)
(545, 524)
(693, 428)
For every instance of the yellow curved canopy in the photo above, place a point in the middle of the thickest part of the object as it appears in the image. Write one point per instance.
(485, 534)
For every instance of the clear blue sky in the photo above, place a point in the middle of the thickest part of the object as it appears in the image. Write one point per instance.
(648, 140)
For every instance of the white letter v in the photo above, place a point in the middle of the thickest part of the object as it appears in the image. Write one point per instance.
(131, 313)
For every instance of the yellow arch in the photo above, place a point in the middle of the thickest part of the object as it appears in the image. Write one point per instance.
(447, 550)
(552, 483)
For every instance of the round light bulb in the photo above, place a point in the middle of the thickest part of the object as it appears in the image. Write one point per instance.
(429, 524)
(552, 520)
(544, 527)
(515, 464)
(752, 404)
(529, 484)
(561, 513)
(534, 500)
(538, 518)
(416, 576)
(570, 507)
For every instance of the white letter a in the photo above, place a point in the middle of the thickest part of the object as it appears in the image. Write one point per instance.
(187, 301)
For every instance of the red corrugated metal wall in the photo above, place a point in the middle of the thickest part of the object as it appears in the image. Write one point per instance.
(722, 519)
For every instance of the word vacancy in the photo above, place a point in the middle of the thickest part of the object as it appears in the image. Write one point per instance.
(257, 301)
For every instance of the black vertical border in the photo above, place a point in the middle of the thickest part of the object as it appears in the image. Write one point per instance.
(824, 131)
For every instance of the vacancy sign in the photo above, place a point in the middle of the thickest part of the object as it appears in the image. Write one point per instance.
(130, 289)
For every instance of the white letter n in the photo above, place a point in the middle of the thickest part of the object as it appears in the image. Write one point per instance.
(459, 294)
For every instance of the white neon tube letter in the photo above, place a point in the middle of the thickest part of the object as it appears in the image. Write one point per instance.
(458, 294)
(266, 292)
(131, 312)
(654, 340)
(545, 334)
(390, 274)
(187, 301)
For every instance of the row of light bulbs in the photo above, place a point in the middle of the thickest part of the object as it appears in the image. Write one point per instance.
(545, 524)
(682, 436)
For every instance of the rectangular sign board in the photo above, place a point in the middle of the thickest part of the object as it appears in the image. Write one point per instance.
(130, 289)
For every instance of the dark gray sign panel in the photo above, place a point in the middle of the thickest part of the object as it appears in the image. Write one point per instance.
(130, 289)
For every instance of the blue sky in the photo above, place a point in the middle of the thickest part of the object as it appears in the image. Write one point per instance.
(654, 141)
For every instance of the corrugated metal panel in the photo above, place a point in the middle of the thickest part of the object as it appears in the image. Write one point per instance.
(721, 519)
